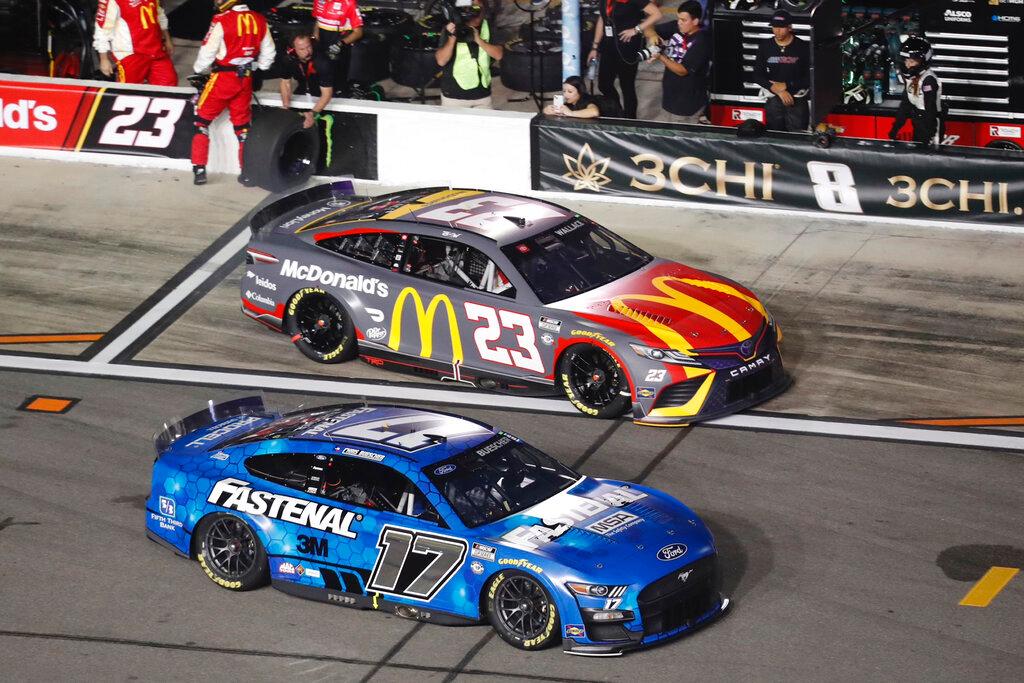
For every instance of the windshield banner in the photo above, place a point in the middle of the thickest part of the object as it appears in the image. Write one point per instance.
(785, 171)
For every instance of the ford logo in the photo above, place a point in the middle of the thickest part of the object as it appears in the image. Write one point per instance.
(449, 468)
(671, 552)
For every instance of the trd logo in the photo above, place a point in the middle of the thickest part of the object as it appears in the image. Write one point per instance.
(312, 546)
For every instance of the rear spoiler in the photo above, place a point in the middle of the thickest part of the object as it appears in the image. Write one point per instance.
(213, 413)
(273, 210)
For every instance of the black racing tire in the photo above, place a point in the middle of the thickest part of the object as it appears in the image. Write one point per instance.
(230, 553)
(320, 326)
(521, 611)
(546, 56)
(593, 381)
(1004, 144)
(279, 152)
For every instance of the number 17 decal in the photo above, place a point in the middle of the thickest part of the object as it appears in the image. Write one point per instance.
(414, 564)
(527, 356)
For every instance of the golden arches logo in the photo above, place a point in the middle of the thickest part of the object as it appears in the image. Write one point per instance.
(425, 322)
(247, 24)
(147, 15)
(674, 298)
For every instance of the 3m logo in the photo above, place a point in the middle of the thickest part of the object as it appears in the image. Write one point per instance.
(425, 322)
(247, 24)
(312, 546)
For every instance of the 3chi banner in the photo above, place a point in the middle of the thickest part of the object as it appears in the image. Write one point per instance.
(684, 163)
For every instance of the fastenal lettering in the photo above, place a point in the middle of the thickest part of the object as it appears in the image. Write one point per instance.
(691, 176)
(236, 494)
(425, 323)
(354, 283)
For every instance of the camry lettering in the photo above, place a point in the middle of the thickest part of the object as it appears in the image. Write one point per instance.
(751, 366)
(353, 283)
(236, 494)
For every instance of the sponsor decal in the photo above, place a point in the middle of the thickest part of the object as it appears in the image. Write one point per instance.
(549, 324)
(672, 551)
(547, 339)
(324, 425)
(258, 298)
(449, 233)
(425, 323)
(359, 453)
(225, 429)
(376, 315)
(165, 523)
(593, 335)
(220, 455)
(310, 545)
(352, 283)
(645, 392)
(614, 523)
(261, 281)
(1005, 19)
(236, 494)
(25, 114)
(302, 218)
(957, 15)
(575, 631)
(343, 599)
(445, 469)
(476, 567)
(521, 564)
(484, 552)
(376, 333)
(534, 536)
(168, 507)
(313, 573)
(1005, 131)
(286, 568)
(620, 496)
(748, 115)
(684, 576)
(766, 359)
(586, 171)
(559, 513)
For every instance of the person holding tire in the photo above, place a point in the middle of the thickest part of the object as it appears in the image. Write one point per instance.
(312, 71)
(238, 40)
(618, 39)
(465, 58)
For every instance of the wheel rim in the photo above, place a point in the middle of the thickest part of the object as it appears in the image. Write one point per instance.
(321, 323)
(594, 377)
(231, 547)
(297, 156)
(522, 607)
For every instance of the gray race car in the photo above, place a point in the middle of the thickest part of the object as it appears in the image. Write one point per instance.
(508, 293)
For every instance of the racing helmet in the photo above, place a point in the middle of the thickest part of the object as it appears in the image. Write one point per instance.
(223, 5)
(917, 48)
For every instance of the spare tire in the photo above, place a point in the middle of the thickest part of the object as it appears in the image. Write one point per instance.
(279, 152)
(547, 66)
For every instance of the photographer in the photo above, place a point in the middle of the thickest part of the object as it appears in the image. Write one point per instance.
(782, 67)
(618, 38)
(465, 56)
(686, 53)
(338, 24)
(575, 101)
(313, 72)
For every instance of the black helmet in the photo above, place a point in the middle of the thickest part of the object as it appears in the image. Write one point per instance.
(917, 48)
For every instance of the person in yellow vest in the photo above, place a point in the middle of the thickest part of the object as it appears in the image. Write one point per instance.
(465, 57)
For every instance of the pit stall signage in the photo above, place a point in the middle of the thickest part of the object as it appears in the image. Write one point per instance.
(698, 163)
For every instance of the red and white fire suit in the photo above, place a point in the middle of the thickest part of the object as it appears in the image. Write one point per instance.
(337, 15)
(237, 41)
(134, 31)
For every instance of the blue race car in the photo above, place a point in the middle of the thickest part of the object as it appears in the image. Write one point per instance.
(431, 517)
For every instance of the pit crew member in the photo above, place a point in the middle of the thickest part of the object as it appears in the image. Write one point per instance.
(135, 33)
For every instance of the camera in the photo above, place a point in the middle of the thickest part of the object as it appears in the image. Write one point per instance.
(458, 12)
(648, 52)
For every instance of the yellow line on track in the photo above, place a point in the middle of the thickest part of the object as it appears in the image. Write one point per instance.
(48, 338)
(988, 586)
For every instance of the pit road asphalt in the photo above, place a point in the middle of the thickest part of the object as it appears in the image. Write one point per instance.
(846, 558)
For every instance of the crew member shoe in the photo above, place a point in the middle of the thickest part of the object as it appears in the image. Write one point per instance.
(198, 175)
(246, 180)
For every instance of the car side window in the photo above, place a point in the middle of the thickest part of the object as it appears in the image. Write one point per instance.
(375, 486)
(286, 469)
(376, 248)
(459, 265)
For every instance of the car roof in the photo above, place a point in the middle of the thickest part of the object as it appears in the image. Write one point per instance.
(422, 436)
(501, 217)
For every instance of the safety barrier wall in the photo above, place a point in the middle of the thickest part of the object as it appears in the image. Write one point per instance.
(777, 171)
(397, 143)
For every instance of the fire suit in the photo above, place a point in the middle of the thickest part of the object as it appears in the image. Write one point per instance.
(237, 41)
(135, 32)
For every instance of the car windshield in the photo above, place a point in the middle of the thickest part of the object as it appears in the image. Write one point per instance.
(572, 258)
(498, 478)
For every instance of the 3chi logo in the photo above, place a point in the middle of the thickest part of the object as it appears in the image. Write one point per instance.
(585, 171)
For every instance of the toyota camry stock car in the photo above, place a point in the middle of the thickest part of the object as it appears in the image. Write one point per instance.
(505, 292)
(431, 517)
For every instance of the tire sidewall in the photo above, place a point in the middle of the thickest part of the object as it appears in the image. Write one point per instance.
(255, 578)
(552, 629)
(346, 350)
(614, 409)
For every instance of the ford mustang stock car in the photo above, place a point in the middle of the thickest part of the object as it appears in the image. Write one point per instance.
(508, 293)
(432, 517)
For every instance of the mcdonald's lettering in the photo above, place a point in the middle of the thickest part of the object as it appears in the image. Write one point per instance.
(147, 15)
(425, 322)
(247, 24)
(676, 299)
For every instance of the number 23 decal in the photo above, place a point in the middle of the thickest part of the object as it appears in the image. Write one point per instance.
(527, 356)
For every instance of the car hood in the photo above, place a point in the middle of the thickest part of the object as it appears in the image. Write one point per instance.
(671, 305)
(596, 524)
